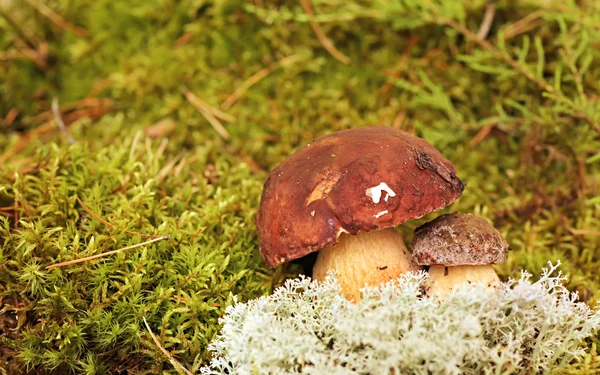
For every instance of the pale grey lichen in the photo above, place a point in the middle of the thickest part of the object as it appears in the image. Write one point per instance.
(307, 327)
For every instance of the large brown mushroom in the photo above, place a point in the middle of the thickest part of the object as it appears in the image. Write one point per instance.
(343, 193)
(459, 248)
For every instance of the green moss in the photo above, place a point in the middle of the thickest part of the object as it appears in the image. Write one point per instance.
(536, 174)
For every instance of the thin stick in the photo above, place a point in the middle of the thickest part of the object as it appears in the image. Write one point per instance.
(325, 42)
(488, 18)
(136, 139)
(95, 216)
(13, 55)
(57, 19)
(27, 40)
(197, 103)
(399, 120)
(65, 108)
(257, 77)
(579, 113)
(59, 121)
(527, 23)
(481, 134)
(16, 212)
(173, 361)
(212, 110)
(10, 117)
(75, 261)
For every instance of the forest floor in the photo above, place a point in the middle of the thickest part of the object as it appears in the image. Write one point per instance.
(125, 122)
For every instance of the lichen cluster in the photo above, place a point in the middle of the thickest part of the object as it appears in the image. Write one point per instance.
(142, 87)
(307, 327)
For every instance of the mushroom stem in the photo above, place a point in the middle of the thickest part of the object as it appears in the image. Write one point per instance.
(443, 279)
(365, 259)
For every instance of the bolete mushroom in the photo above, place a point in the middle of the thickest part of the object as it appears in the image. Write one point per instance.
(459, 248)
(343, 193)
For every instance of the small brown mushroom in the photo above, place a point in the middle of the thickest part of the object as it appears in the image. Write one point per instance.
(343, 193)
(459, 248)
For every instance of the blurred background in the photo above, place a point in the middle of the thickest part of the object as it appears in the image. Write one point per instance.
(121, 120)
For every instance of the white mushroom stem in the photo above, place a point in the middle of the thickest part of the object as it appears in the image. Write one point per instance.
(443, 279)
(365, 259)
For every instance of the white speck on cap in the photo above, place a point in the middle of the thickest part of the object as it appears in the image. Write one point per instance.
(312, 213)
(375, 192)
(377, 216)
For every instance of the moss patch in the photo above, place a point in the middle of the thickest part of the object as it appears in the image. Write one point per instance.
(517, 114)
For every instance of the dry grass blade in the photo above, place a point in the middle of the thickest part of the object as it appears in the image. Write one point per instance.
(488, 18)
(212, 110)
(325, 42)
(208, 115)
(525, 24)
(57, 19)
(257, 77)
(87, 209)
(59, 121)
(173, 361)
(87, 259)
(164, 172)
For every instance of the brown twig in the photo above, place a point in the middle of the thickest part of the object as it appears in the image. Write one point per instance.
(401, 66)
(57, 19)
(87, 103)
(95, 216)
(209, 115)
(16, 226)
(523, 70)
(59, 121)
(183, 39)
(496, 52)
(10, 117)
(399, 120)
(578, 232)
(28, 40)
(13, 55)
(255, 78)
(325, 42)
(49, 126)
(481, 134)
(525, 24)
(86, 259)
(8, 211)
(173, 361)
(254, 167)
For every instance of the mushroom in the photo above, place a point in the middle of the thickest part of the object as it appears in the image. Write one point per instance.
(459, 248)
(343, 193)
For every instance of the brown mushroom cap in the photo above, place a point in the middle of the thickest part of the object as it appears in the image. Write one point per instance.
(458, 239)
(355, 180)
